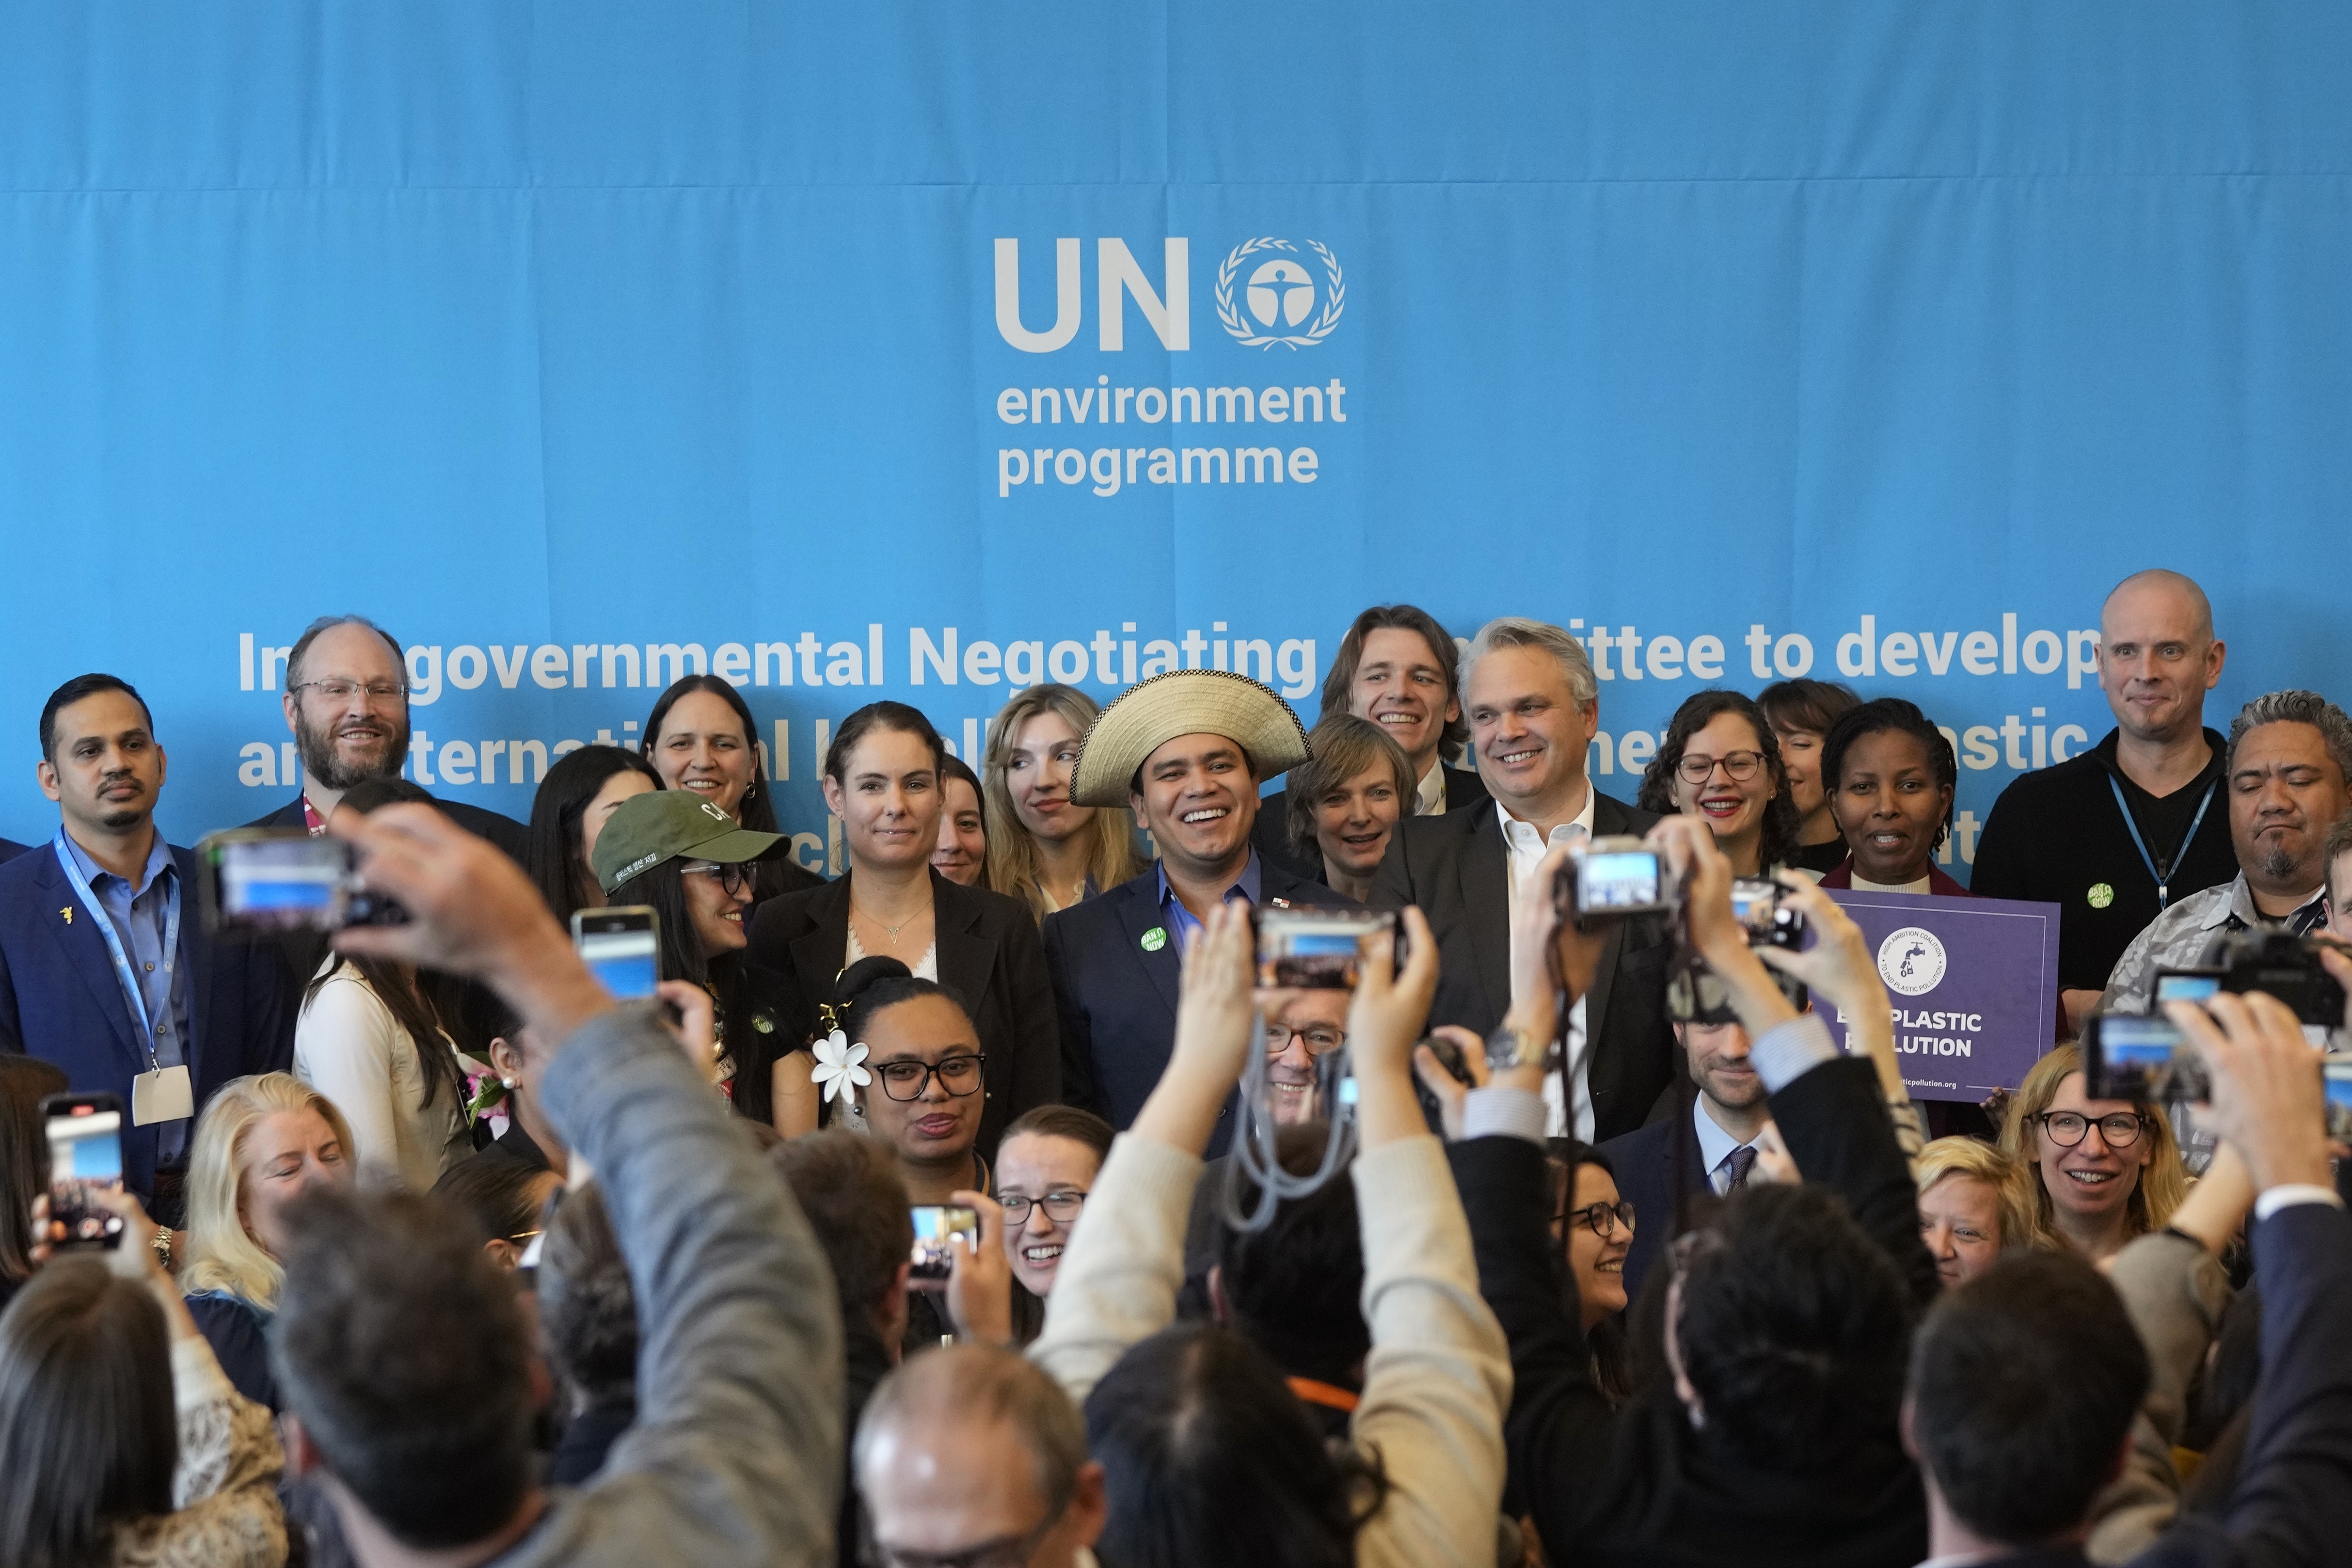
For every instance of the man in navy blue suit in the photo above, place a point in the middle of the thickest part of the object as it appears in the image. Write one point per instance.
(1185, 751)
(2024, 1380)
(104, 966)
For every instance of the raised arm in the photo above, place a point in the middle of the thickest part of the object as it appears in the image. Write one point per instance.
(1118, 1278)
(736, 1455)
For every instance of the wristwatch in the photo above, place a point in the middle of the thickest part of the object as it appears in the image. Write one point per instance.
(161, 1242)
(1509, 1048)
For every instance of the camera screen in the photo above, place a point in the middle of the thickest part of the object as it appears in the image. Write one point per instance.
(621, 961)
(935, 1228)
(1618, 880)
(285, 884)
(2339, 1071)
(87, 1147)
(2177, 986)
(1321, 949)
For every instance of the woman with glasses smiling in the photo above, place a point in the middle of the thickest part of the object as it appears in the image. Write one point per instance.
(1721, 761)
(2103, 1171)
(1044, 1168)
(696, 867)
(1594, 1226)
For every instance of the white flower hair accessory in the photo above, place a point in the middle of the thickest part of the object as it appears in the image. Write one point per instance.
(838, 1065)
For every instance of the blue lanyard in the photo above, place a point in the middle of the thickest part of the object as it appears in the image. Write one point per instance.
(124, 971)
(2162, 879)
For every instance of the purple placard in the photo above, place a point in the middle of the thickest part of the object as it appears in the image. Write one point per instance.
(1974, 983)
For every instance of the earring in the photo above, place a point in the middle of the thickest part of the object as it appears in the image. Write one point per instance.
(510, 1083)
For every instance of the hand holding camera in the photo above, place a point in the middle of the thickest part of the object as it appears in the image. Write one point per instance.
(1713, 931)
(978, 1282)
(2267, 1095)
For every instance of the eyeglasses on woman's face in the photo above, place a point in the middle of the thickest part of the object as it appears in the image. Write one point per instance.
(2118, 1130)
(1060, 1206)
(959, 1075)
(736, 879)
(1600, 1219)
(1696, 767)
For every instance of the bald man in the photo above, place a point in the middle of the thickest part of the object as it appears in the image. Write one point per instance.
(2117, 835)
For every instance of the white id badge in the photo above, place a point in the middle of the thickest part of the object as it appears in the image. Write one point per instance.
(164, 1095)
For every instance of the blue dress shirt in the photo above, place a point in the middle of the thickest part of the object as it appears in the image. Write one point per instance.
(140, 914)
(1181, 924)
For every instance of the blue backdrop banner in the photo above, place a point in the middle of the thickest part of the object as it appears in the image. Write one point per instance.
(929, 350)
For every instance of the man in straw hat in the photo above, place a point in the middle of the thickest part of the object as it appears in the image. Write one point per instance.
(1186, 752)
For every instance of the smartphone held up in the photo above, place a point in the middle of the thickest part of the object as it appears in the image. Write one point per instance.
(937, 1228)
(85, 1138)
(259, 882)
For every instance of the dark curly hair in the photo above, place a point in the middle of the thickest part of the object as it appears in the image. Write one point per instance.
(1657, 793)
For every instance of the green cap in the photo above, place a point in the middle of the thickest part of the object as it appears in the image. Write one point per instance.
(673, 823)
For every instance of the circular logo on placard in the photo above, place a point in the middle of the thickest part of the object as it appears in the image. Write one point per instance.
(1279, 295)
(1155, 938)
(2100, 895)
(1911, 962)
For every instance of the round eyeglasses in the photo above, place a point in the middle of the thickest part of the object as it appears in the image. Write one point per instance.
(2118, 1130)
(1737, 766)
(1599, 1218)
(734, 879)
(959, 1075)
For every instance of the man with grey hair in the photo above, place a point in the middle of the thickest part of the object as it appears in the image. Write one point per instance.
(973, 1454)
(2117, 833)
(1533, 705)
(2289, 761)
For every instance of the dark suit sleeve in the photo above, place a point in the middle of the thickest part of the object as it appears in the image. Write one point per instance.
(11, 1023)
(1559, 1431)
(1393, 883)
(2293, 1502)
(1836, 1127)
(1075, 1037)
(269, 1017)
(1037, 1034)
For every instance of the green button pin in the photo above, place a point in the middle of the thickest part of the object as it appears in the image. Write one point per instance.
(1155, 938)
(2101, 895)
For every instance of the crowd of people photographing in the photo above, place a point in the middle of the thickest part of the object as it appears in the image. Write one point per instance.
(434, 1253)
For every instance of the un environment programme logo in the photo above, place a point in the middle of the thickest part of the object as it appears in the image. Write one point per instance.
(1911, 961)
(1280, 294)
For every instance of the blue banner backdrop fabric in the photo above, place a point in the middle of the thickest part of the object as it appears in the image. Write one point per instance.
(928, 351)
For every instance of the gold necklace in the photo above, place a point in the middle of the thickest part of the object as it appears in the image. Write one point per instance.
(892, 931)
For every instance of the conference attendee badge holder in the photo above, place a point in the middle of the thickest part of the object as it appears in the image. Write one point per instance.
(161, 1093)
(2163, 878)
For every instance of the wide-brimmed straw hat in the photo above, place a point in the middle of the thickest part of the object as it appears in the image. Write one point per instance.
(1151, 714)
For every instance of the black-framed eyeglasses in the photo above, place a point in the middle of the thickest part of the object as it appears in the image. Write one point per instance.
(1320, 1039)
(735, 879)
(1599, 1217)
(2118, 1130)
(1737, 766)
(1004, 1551)
(959, 1075)
(1062, 1205)
(344, 691)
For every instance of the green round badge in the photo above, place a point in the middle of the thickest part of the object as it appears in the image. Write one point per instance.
(2101, 895)
(1155, 938)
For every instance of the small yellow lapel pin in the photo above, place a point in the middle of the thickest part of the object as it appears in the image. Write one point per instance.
(68, 912)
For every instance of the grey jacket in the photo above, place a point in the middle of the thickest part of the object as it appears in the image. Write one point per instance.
(736, 1454)
(2175, 1291)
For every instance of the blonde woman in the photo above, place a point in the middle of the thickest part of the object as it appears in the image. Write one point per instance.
(1973, 1206)
(263, 1141)
(1043, 849)
(2099, 1172)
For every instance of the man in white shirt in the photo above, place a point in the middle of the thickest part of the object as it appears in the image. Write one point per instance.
(1533, 706)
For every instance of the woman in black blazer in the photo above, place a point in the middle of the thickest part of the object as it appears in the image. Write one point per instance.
(882, 779)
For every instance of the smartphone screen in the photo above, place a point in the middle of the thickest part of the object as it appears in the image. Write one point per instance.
(935, 1228)
(85, 1137)
(621, 946)
(1320, 948)
(2140, 1057)
(2338, 1073)
(263, 882)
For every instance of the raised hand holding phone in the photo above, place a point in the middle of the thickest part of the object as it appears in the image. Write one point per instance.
(1383, 1025)
(980, 1275)
(1215, 1013)
(2267, 1095)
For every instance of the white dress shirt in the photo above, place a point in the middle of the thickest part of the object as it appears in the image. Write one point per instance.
(1528, 849)
(1714, 1147)
(1429, 796)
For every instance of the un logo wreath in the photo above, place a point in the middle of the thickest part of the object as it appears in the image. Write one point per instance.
(1335, 298)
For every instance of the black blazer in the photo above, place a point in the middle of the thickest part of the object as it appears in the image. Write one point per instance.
(10, 849)
(1270, 835)
(989, 954)
(1638, 1485)
(59, 998)
(1454, 868)
(1117, 998)
(1645, 1162)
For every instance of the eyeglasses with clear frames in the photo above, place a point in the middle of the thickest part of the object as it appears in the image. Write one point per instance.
(1738, 766)
(378, 691)
(2118, 1130)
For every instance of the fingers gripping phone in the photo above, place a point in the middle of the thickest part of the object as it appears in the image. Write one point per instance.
(278, 881)
(621, 946)
(85, 1137)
